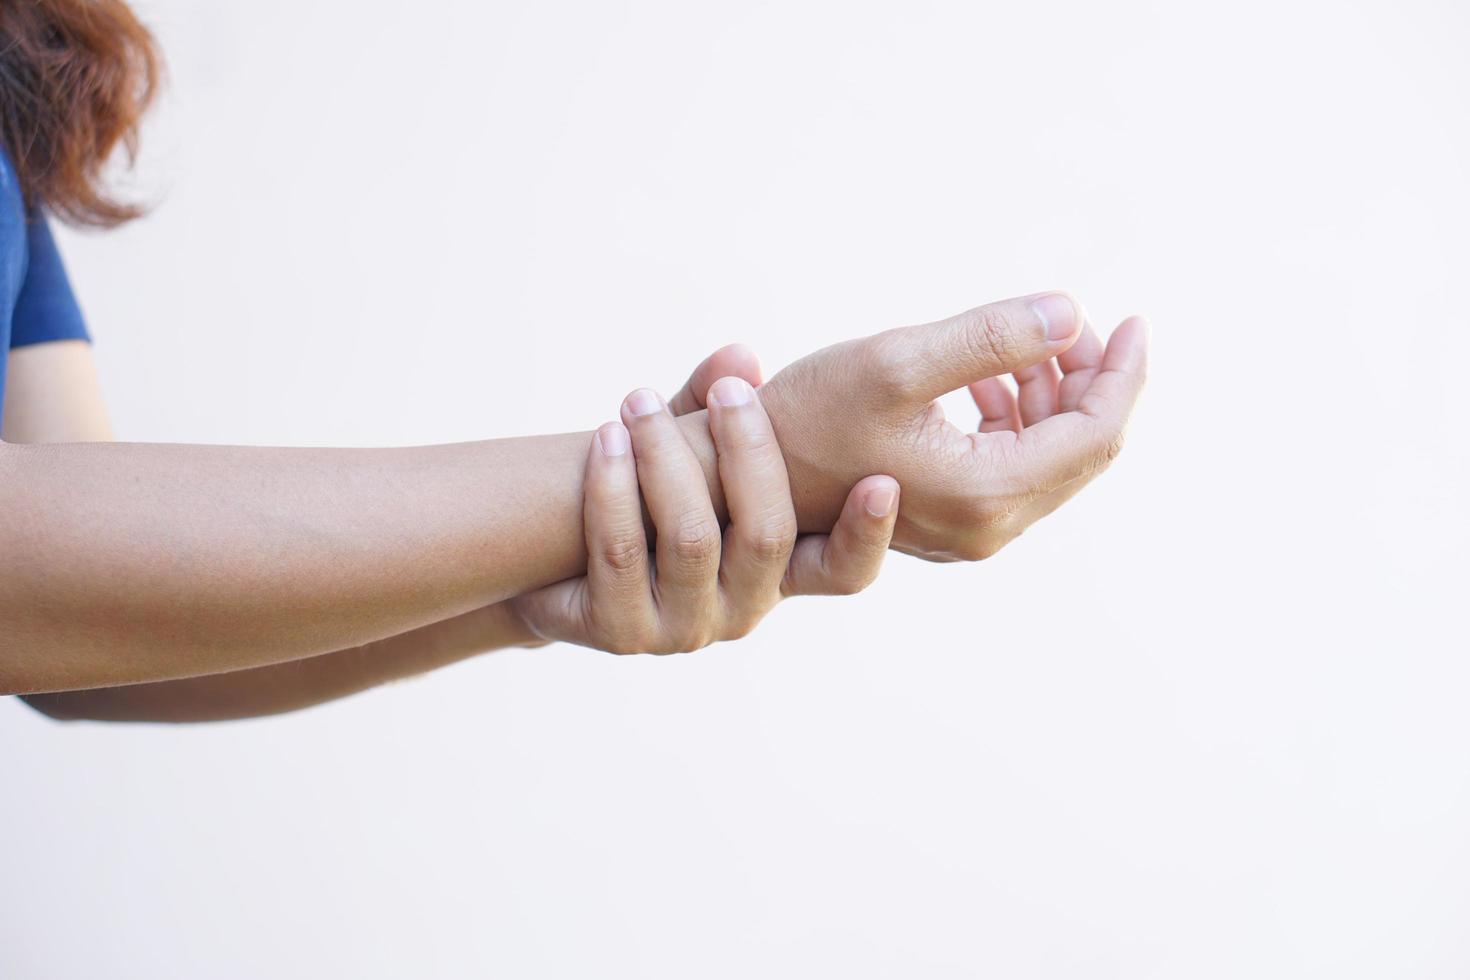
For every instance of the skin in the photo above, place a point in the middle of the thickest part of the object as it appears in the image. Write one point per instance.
(619, 606)
(711, 584)
(130, 563)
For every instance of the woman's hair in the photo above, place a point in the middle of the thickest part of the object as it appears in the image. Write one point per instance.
(75, 77)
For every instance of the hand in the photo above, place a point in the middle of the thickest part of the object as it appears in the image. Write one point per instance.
(701, 587)
(868, 405)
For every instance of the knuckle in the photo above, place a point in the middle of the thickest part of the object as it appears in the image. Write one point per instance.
(991, 337)
(987, 513)
(771, 543)
(1106, 447)
(981, 548)
(655, 441)
(687, 641)
(653, 644)
(695, 544)
(981, 552)
(892, 370)
(622, 553)
(626, 644)
(751, 440)
(850, 585)
(740, 628)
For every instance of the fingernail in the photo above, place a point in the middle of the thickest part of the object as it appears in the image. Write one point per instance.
(644, 402)
(879, 502)
(612, 439)
(730, 393)
(1058, 314)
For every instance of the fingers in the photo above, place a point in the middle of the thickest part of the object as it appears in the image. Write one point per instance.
(1079, 364)
(762, 528)
(687, 560)
(735, 360)
(1083, 441)
(612, 607)
(618, 579)
(1036, 398)
(997, 404)
(1001, 338)
(1115, 388)
(847, 560)
(1036, 391)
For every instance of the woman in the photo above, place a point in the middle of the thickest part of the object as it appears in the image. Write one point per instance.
(193, 582)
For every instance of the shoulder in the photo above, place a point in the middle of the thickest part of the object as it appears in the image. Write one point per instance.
(35, 294)
(14, 232)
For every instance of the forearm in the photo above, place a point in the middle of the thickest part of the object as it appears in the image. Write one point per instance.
(296, 684)
(129, 563)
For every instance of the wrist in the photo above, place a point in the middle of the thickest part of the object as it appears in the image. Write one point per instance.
(816, 496)
(813, 514)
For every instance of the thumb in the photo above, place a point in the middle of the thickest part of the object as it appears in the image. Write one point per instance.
(1000, 338)
(735, 360)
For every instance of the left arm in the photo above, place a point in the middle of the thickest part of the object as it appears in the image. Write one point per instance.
(52, 394)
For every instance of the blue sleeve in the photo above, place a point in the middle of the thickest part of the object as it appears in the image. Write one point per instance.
(45, 308)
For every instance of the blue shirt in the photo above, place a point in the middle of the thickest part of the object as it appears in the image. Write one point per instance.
(36, 301)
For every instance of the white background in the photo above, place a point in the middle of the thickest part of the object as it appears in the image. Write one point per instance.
(1210, 720)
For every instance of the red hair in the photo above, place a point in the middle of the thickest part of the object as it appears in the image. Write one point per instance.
(75, 78)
